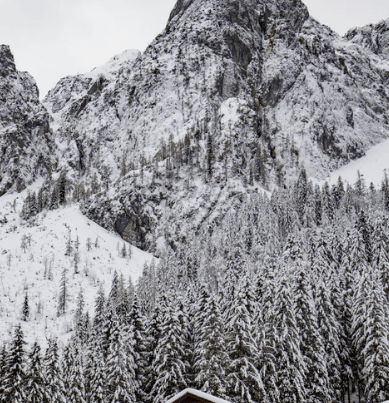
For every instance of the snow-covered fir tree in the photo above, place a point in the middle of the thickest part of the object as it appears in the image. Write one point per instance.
(13, 387)
(169, 363)
(36, 382)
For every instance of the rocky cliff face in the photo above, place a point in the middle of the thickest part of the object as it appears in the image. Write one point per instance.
(374, 37)
(26, 148)
(229, 97)
(313, 98)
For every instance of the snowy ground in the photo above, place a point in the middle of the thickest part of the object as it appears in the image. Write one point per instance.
(32, 253)
(372, 166)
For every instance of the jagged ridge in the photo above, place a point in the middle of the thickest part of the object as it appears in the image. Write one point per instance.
(374, 37)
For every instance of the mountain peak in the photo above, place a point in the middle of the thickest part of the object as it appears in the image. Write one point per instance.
(7, 63)
(249, 13)
(180, 7)
(374, 37)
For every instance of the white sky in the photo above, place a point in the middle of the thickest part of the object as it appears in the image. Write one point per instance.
(54, 38)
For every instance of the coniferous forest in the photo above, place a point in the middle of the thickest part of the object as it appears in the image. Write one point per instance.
(284, 300)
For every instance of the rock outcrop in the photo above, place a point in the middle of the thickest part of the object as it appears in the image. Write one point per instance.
(26, 147)
(374, 37)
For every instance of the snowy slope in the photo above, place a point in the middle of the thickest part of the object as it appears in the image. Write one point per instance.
(22, 270)
(371, 166)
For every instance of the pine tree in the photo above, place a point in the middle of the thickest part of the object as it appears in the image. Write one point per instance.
(76, 255)
(104, 333)
(54, 202)
(69, 248)
(146, 288)
(54, 384)
(138, 323)
(169, 361)
(123, 251)
(33, 210)
(114, 294)
(75, 388)
(14, 382)
(66, 363)
(191, 311)
(99, 308)
(3, 368)
(154, 333)
(123, 303)
(370, 336)
(79, 319)
(120, 366)
(360, 186)
(294, 248)
(385, 191)
(318, 209)
(320, 256)
(338, 193)
(244, 379)
(283, 338)
(380, 255)
(235, 265)
(210, 353)
(130, 292)
(312, 348)
(364, 228)
(63, 295)
(97, 381)
(327, 203)
(40, 200)
(329, 328)
(26, 309)
(344, 303)
(61, 188)
(26, 213)
(198, 298)
(357, 253)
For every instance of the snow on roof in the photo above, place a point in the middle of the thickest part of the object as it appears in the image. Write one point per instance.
(196, 393)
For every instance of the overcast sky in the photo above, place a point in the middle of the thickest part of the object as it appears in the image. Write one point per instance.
(54, 38)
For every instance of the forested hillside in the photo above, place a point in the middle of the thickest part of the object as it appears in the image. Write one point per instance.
(286, 300)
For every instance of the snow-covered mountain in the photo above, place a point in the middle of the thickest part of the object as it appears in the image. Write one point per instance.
(306, 95)
(227, 98)
(175, 152)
